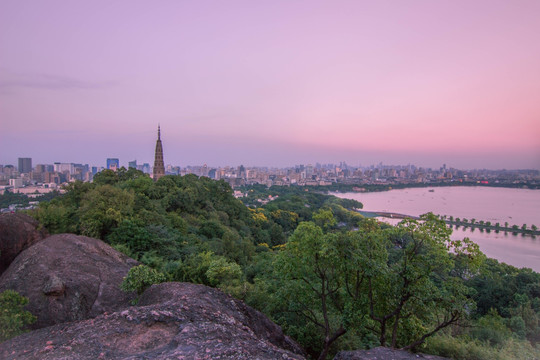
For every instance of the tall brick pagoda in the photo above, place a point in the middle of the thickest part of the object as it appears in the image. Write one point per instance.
(159, 167)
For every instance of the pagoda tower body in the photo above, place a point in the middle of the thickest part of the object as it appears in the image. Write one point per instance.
(159, 166)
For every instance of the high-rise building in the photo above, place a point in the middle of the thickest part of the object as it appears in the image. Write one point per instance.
(113, 164)
(145, 168)
(159, 167)
(132, 164)
(25, 165)
(64, 168)
(41, 168)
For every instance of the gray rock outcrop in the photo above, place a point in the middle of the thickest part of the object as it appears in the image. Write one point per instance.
(172, 321)
(68, 277)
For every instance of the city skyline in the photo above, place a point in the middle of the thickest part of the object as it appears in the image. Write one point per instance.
(272, 83)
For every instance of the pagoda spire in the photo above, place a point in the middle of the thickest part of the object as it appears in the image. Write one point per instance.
(159, 166)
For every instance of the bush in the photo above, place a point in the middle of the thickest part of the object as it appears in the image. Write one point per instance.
(460, 348)
(13, 317)
(491, 328)
(139, 278)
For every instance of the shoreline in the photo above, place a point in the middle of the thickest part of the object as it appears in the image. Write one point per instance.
(369, 188)
(465, 225)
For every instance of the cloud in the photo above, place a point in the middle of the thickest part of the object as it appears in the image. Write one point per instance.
(11, 81)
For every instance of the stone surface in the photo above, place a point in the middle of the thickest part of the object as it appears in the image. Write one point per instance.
(17, 232)
(68, 277)
(171, 321)
(382, 353)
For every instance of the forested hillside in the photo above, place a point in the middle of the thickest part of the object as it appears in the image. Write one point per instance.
(331, 278)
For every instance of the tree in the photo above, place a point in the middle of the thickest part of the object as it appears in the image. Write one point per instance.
(223, 272)
(416, 294)
(325, 219)
(309, 271)
(103, 208)
(322, 275)
(13, 317)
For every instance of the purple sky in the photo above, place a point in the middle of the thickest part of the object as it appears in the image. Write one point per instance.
(272, 82)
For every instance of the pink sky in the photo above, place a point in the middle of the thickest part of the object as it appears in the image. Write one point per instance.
(272, 82)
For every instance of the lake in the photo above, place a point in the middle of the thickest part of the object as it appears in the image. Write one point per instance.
(515, 206)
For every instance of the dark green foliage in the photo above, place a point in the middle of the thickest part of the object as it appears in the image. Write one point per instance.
(513, 293)
(395, 284)
(331, 278)
(13, 317)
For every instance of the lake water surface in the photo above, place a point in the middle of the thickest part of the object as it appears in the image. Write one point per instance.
(515, 206)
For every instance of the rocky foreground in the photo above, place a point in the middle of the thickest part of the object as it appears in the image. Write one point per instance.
(72, 283)
(68, 277)
(173, 320)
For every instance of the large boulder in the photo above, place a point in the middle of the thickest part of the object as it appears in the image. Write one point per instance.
(17, 232)
(172, 321)
(68, 277)
(383, 353)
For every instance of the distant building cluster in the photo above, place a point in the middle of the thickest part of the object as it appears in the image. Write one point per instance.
(328, 174)
(43, 178)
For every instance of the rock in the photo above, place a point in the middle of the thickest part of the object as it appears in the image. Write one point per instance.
(227, 308)
(54, 286)
(383, 353)
(172, 321)
(17, 232)
(68, 277)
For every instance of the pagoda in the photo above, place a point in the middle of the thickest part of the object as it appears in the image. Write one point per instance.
(159, 167)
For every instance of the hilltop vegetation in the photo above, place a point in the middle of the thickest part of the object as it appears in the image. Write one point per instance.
(331, 278)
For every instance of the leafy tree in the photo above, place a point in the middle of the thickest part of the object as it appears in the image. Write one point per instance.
(325, 219)
(415, 295)
(13, 317)
(322, 277)
(102, 209)
(308, 268)
(134, 236)
(55, 217)
(106, 177)
(221, 271)
(288, 220)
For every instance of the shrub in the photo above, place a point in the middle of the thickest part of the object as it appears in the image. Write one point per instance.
(139, 278)
(13, 317)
